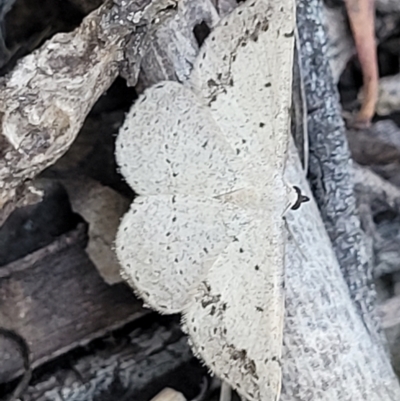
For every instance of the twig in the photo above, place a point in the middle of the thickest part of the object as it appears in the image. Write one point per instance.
(362, 21)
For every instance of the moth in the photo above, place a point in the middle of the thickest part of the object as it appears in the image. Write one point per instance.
(205, 237)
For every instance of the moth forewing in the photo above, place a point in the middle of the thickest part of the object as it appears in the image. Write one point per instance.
(170, 147)
(235, 322)
(244, 70)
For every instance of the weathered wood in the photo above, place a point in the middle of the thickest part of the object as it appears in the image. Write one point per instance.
(55, 299)
(134, 366)
(102, 208)
(324, 334)
(378, 148)
(354, 343)
(380, 203)
(169, 51)
(329, 171)
(45, 99)
(36, 128)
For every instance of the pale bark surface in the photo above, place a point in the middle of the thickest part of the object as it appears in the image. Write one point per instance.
(330, 164)
(328, 352)
(332, 330)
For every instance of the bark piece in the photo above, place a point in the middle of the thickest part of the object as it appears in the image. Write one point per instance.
(379, 148)
(45, 99)
(172, 47)
(103, 209)
(380, 201)
(135, 366)
(55, 299)
(329, 172)
(322, 322)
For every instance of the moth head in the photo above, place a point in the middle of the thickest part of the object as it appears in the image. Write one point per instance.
(300, 198)
(294, 198)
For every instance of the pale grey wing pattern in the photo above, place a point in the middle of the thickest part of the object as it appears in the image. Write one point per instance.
(236, 320)
(177, 150)
(244, 71)
(236, 317)
(167, 243)
(170, 144)
(238, 99)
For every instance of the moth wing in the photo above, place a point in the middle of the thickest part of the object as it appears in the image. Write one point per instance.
(244, 71)
(166, 244)
(170, 144)
(235, 322)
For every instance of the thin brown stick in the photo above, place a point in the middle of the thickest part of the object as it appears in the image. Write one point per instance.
(362, 20)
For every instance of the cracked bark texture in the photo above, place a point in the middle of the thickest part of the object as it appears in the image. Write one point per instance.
(328, 353)
(333, 343)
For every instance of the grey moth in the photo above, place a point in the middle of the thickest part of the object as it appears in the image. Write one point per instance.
(206, 237)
